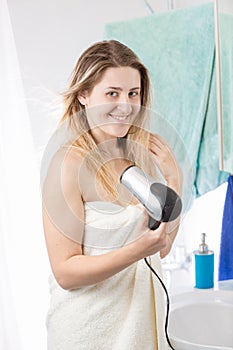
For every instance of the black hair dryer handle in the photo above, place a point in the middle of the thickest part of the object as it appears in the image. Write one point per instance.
(153, 224)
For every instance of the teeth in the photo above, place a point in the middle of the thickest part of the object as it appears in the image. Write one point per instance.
(118, 117)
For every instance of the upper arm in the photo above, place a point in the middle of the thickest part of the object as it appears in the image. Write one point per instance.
(63, 210)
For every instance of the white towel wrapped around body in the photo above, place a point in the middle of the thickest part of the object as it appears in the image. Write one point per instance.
(124, 312)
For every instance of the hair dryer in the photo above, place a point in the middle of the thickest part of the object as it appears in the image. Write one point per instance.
(161, 202)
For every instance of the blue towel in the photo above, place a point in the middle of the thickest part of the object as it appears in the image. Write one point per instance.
(226, 248)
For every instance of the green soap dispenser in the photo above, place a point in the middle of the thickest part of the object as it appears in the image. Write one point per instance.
(204, 265)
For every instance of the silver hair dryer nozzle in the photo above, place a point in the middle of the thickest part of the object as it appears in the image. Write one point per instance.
(161, 202)
(139, 184)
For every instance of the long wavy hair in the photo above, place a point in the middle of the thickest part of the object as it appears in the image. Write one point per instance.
(87, 73)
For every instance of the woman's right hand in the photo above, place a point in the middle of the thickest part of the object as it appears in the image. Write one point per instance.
(149, 242)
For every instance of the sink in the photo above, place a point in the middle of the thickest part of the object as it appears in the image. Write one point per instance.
(202, 319)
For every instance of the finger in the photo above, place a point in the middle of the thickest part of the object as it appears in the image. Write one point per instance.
(155, 149)
(144, 220)
(163, 254)
(155, 143)
(161, 230)
(157, 139)
(160, 148)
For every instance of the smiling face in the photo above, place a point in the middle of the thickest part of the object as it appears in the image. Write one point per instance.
(112, 105)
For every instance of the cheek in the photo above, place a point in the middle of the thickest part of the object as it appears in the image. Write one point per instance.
(136, 108)
(137, 101)
(96, 114)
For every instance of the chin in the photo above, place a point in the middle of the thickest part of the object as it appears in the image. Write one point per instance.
(118, 130)
(121, 132)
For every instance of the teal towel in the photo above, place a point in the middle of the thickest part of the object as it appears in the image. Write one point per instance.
(226, 50)
(178, 49)
(208, 176)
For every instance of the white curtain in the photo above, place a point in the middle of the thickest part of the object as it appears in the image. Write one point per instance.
(23, 260)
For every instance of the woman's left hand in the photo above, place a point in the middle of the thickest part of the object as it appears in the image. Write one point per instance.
(166, 161)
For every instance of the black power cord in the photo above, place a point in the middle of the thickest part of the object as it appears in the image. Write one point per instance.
(168, 302)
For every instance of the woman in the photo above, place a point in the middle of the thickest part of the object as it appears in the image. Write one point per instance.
(103, 295)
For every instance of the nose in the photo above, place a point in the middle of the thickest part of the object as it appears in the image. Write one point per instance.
(124, 108)
(124, 105)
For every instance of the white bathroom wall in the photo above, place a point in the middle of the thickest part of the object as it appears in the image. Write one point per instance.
(225, 6)
(49, 37)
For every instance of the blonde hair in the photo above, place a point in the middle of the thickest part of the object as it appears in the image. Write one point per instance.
(87, 73)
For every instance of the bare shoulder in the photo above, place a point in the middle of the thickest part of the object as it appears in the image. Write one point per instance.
(61, 188)
(64, 167)
(67, 157)
(63, 207)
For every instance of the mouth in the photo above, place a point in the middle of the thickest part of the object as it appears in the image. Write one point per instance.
(119, 118)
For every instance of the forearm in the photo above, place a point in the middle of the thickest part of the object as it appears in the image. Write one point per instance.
(176, 182)
(82, 270)
(172, 230)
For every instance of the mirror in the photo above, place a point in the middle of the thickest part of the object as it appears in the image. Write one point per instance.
(224, 81)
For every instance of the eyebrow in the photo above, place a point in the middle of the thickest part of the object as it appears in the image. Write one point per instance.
(119, 88)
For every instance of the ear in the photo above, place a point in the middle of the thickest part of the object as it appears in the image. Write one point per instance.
(82, 97)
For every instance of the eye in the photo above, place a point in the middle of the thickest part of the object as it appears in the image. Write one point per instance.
(133, 93)
(112, 93)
